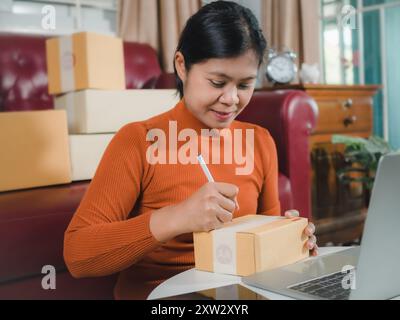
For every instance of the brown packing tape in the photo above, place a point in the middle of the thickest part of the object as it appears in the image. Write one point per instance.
(53, 65)
(246, 254)
(81, 60)
(203, 254)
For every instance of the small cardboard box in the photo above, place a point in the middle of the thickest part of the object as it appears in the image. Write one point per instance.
(103, 111)
(86, 152)
(34, 149)
(251, 244)
(85, 60)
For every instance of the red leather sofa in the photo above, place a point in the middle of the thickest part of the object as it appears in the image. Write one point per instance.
(32, 222)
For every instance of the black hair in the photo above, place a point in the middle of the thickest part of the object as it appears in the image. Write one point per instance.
(221, 29)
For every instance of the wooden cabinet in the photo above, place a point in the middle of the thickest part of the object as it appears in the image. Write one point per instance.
(338, 208)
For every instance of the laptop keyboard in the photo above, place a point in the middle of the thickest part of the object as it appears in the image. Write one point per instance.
(328, 287)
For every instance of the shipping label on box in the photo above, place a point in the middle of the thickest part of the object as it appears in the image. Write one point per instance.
(85, 60)
(251, 244)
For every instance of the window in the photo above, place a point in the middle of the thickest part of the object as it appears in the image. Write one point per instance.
(23, 16)
(361, 47)
(340, 45)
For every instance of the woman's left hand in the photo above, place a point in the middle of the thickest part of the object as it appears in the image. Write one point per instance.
(311, 244)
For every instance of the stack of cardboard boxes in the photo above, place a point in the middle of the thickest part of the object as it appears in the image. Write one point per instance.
(86, 74)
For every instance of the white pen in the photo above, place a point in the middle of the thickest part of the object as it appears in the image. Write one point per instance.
(205, 168)
(208, 173)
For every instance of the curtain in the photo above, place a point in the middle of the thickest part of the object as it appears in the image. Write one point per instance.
(156, 22)
(294, 25)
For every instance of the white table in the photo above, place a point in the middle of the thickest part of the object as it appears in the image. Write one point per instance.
(194, 280)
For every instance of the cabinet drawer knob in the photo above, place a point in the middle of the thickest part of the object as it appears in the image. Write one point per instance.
(348, 103)
(349, 120)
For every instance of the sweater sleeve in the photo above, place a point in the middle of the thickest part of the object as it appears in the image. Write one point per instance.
(268, 201)
(100, 239)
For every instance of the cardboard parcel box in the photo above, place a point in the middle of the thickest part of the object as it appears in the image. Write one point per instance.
(251, 244)
(85, 60)
(86, 153)
(34, 149)
(101, 111)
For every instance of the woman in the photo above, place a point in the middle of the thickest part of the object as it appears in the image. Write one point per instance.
(137, 216)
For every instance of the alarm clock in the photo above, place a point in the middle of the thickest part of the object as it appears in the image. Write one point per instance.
(281, 67)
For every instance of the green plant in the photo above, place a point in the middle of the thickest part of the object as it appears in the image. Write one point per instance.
(362, 158)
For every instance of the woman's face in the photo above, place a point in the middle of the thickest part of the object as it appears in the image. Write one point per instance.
(217, 90)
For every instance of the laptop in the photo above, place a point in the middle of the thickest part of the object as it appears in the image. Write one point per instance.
(370, 271)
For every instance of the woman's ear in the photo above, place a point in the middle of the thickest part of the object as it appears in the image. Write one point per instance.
(180, 66)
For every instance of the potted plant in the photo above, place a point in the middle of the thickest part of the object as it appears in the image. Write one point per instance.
(361, 159)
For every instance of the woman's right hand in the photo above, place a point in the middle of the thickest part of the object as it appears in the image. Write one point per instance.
(205, 210)
(209, 208)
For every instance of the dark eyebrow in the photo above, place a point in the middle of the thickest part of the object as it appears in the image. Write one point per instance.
(223, 75)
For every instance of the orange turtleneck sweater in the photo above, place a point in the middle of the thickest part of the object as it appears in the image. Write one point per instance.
(110, 231)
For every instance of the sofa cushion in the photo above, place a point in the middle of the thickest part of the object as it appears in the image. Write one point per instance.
(32, 226)
(141, 64)
(23, 76)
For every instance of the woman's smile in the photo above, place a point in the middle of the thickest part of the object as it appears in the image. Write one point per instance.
(222, 116)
